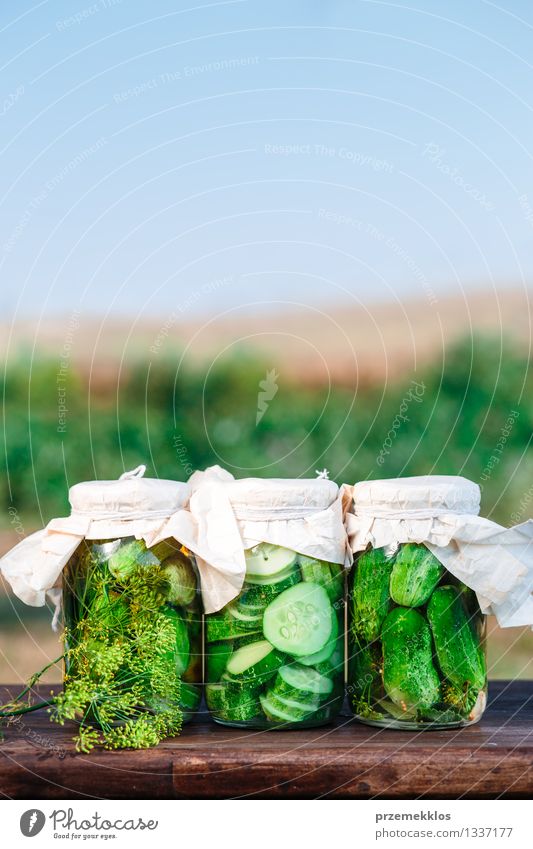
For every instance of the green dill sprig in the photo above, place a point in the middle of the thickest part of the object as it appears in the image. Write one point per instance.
(121, 683)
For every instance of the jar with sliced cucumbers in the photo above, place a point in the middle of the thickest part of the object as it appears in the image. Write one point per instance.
(416, 647)
(275, 653)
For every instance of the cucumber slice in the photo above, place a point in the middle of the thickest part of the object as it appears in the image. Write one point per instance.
(292, 575)
(224, 626)
(218, 655)
(334, 666)
(254, 663)
(266, 560)
(299, 620)
(329, 648)
(297, 710)
(250, 622)
(302, 683)
(273, 712)
(230, 706)
(328, 575)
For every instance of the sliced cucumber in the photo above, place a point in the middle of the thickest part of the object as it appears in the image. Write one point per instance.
(224, 626)
(299, 620)
(334, 666)
(297, 710)
(273, 712)
(328, 575)
(302, 683)
(291, 575)
(254, 663)
(266, 560)
(218, 655)
(326, 652)
(230, 706)
(250, 621)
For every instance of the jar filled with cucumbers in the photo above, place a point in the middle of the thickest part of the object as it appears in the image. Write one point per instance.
(275, 654)
(142, 605)
(416, 632)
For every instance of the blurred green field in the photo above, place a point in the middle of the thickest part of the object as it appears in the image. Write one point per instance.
(470, 414)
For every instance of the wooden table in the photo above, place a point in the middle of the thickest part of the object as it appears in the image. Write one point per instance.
(344, 761)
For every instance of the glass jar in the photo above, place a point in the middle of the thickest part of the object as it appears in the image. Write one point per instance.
(275, 654)
(117, 595)
(416, 642)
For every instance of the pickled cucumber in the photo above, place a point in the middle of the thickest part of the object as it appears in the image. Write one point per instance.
(370, 600)
(290, 609)
(409, 677)
(328, 575)
(415, 574)
(459, 653)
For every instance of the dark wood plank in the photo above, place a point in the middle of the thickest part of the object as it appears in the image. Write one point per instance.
(347, 760)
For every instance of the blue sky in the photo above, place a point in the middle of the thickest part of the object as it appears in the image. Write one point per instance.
(202, 156)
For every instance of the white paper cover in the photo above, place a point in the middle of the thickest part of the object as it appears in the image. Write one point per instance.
(303, 515)
(441, 512)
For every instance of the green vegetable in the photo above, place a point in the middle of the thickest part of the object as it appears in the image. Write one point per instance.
(281, 709)
(218, 655)
(459, 652)
(302, 683)
(299, 620)
(180, 650)
(328, 575)
(225, 626)
(271, 583)
(254, 663)
(370, 598)
(182, 583)
(415, 574)
(265, 561)
(190, 698)
(364, 679)
(230, 705)
(280, 616)
(124, 561)
(326, 652)
(409, 677)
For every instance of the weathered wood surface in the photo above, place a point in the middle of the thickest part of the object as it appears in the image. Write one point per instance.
(346, 760)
